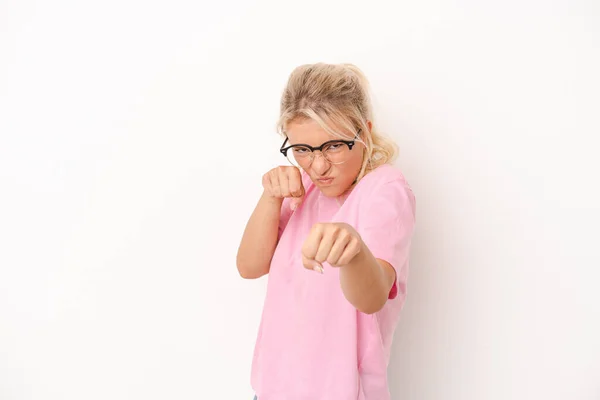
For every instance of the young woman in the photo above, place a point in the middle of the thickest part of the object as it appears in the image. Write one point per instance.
(333, 231)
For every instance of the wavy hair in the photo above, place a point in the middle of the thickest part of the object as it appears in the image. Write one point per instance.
(336, 96)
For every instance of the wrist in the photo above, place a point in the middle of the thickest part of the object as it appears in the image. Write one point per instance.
(361, 261)
(276, 201)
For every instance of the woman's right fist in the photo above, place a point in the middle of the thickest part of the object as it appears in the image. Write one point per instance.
(282, 182)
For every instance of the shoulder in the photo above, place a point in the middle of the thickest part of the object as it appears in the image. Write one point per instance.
(385, 175)
(386, 184)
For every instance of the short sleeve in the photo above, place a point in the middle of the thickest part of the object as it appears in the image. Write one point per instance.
(386, 225)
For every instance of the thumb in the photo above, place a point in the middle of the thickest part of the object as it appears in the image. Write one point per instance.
(295, 202)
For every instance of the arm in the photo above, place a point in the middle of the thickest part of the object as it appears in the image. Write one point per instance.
(260, 238)
(262, 231)
(368, 259)
(366, 281)
(385, 228)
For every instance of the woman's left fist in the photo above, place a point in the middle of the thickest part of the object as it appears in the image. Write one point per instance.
(335, 242)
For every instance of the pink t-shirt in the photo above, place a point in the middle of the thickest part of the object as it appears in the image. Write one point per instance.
(312, 343)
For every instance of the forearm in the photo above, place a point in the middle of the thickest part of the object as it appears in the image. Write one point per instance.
(365, 282)
(259, 239)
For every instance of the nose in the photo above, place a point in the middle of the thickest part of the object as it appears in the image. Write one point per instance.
(319, 164)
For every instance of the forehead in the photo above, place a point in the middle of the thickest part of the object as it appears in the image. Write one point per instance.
(307, 132)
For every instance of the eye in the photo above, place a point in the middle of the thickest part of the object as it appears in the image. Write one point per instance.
(334, 147)
(300, 150)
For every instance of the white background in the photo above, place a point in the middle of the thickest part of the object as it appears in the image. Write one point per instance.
(133, 138)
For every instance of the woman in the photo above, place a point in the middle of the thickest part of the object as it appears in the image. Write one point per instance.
(333, 232)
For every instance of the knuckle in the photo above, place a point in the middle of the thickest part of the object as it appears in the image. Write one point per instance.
(305, 250)
(346, 235)
(297, 186)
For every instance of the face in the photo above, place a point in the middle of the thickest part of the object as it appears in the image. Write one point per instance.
(332, 179)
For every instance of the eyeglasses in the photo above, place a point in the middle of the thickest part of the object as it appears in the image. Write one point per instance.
(334, 151)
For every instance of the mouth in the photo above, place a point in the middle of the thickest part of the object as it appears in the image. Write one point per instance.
(325, 181)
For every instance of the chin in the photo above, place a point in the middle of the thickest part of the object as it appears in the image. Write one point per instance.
(331, 191)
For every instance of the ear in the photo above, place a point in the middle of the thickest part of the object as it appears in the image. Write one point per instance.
(370, 125)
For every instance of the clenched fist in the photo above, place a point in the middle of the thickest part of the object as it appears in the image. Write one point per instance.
(336, 243)
(284, 181)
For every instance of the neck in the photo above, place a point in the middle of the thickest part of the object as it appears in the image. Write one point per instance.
(342, 197)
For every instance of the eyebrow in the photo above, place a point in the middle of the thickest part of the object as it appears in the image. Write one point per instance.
(358, 132)
(321, 144)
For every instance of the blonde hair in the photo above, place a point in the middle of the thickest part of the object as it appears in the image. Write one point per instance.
(336, 94)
